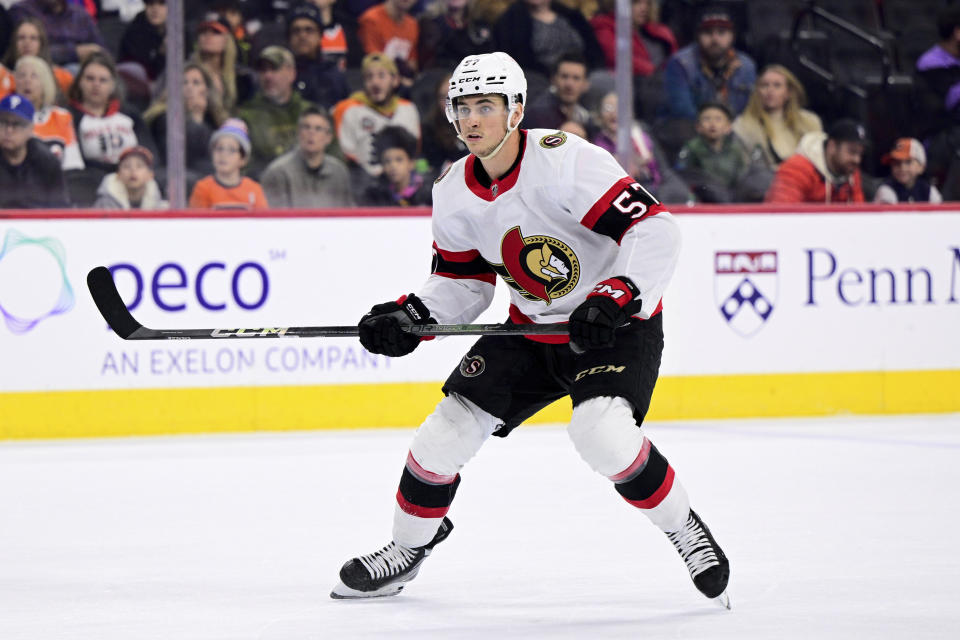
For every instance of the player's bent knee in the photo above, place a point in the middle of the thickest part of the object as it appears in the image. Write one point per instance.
(451, 435)
(605, 434)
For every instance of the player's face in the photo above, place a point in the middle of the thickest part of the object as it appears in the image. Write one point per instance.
(134, 173)
(773, 91)
(483, 122)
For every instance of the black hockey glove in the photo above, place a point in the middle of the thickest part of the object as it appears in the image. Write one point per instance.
(608, 306)
(380, 329)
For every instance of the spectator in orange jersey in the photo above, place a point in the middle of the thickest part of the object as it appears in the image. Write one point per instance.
(228, 188)
(30, 39)
(389, 28)
(825, 168)
(52, 125)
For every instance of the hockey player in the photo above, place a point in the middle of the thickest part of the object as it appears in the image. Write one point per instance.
(576, 240)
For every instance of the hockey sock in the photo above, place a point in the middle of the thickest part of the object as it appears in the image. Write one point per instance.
(650, 484)
(423, 499)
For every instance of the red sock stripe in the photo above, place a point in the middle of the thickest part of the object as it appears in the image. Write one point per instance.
(426, 476)
(420, 512)
(641, 460)
(658, 495)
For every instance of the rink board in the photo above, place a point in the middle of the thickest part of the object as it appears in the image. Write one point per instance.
(770, 313)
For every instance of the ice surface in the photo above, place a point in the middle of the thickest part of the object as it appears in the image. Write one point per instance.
(838, 528)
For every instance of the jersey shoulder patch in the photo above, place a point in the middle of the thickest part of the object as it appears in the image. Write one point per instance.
(553, 140)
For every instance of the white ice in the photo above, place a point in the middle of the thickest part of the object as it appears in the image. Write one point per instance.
(839, 528)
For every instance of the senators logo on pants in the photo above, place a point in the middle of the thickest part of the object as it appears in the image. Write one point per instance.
(538, 267)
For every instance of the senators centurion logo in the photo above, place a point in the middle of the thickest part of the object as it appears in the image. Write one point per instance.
(538, 267)
(745, 288)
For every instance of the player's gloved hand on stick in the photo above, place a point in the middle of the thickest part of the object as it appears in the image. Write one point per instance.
(381, 328)
(608, 306)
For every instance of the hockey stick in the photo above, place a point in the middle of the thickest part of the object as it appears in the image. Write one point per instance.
(115, 312)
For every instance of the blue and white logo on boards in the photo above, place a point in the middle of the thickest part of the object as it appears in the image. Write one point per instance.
(49, 292)
(745, 288)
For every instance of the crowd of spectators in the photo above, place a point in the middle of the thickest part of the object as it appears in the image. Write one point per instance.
(339, 103)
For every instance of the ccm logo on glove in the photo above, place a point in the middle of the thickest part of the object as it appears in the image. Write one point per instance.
(381, 329)
(608, 306)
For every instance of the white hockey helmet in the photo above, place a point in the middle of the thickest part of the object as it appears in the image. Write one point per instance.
(487, 73)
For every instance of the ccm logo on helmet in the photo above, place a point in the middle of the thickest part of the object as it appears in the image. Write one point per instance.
(603, 368)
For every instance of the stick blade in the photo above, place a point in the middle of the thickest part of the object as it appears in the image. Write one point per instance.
(108, 301)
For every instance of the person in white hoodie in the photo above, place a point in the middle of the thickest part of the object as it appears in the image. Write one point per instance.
(132, 185)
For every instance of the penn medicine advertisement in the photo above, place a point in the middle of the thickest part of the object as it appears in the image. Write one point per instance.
(775, 293)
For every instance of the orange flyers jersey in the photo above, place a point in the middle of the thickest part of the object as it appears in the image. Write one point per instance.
(209, 193)
(54, 127)
(563, 219)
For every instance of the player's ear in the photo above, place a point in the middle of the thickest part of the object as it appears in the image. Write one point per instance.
(517, 115)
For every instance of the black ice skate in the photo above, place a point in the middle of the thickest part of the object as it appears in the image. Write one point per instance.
(385, 572)
(706, 562)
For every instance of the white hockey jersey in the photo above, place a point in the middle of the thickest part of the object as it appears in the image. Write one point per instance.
(565, 217)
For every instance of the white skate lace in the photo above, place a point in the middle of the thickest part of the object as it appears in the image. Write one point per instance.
(389, 561)
(694, 547)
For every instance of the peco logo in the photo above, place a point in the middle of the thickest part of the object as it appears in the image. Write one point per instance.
(24, 308)
(213, 286)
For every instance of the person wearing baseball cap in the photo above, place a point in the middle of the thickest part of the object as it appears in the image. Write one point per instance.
(907, 160)
(272, 114)
(709, 69)
(30, 175)
(825, 167)
(321, 78)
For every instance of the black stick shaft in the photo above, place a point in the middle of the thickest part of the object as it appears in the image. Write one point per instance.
(115, 312)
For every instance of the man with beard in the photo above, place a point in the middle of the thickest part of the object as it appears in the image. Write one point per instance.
(272, 114)
(360, 117)
(709, 70)
(825, 168)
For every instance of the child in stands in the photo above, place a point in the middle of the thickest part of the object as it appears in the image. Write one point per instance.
(228, 188)
(906, 183)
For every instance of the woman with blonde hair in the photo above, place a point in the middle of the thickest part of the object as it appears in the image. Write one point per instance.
(203, 111)
(774, 119)
(216, 51)
(52, 125)
(29, 38)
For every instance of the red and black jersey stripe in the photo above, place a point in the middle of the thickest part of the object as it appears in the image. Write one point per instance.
(623, 205)
(462, 265)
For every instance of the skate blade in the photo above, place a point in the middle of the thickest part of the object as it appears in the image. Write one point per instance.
(343, 592)
(722, 600)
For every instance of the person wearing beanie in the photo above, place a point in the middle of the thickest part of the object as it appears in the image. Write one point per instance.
(228, 188)
(908, 161)
(30, 175)
(132, 185)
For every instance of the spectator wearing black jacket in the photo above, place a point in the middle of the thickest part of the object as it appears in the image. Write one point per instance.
(537, 32)
(30, 175)
(320, 80)
(144, 40)
(448, 34)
